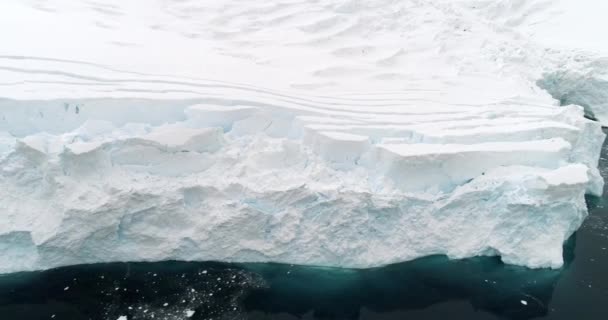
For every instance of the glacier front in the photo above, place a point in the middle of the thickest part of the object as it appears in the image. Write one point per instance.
(333, 133)
(333, 187)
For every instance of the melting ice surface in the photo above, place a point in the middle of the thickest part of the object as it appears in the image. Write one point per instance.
(339, 133)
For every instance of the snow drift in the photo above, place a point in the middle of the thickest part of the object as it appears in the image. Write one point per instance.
(347, 133)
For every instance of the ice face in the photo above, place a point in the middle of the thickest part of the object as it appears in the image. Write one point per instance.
(587, 87)
(361, 134)
(332, 190)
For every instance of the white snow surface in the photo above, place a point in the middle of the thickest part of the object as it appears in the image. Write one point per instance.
(333, 132)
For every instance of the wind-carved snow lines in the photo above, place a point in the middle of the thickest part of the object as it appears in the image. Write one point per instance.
(347, 130)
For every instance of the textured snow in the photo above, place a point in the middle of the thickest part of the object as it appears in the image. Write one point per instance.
(337, 133)
(570, 27)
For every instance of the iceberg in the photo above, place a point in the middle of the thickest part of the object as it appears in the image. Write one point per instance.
(252, 185)
(355, 134)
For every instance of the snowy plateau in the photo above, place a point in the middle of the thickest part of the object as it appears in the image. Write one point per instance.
(339, 133)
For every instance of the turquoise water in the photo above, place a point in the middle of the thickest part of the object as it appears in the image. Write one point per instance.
(429, 288)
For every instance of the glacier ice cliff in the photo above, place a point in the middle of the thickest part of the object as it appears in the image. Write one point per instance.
(237, 183)
(337, 133)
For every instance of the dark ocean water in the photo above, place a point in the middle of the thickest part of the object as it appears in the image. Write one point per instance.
(429, 288)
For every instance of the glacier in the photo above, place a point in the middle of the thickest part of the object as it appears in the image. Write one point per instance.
(335, 133)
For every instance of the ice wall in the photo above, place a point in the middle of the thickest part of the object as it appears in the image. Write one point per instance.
(340, 133)
(350, 187)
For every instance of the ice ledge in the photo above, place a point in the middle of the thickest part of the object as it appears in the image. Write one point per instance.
(256, 184)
